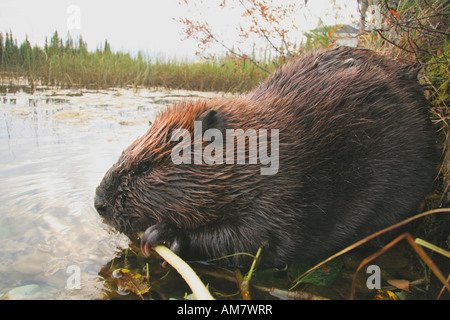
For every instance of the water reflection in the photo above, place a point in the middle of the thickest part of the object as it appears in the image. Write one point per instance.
(55, 147)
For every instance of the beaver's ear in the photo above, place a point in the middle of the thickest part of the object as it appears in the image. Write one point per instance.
(212, 119)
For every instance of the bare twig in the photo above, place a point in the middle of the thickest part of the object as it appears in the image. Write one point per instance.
(366, 239)
(416, 248)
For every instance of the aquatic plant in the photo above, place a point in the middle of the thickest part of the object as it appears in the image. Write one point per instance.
(69, 64)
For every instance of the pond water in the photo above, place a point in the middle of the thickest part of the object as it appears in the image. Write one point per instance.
(55, 147)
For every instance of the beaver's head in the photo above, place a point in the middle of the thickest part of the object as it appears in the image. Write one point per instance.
(146, 186)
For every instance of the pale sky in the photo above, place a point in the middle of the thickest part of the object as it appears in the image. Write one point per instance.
(137, 25)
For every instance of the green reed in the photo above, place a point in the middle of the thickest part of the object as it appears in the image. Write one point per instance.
(71, 65)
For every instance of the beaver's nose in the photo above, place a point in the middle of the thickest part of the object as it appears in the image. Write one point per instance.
(100, 202)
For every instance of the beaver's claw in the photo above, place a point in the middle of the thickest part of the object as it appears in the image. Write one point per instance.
(161, 234)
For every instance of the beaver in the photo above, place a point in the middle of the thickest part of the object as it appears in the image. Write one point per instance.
(356, 153)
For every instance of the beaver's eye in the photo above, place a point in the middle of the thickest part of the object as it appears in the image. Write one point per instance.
(143, 168)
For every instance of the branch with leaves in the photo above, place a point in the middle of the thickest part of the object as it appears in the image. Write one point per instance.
(261, 19)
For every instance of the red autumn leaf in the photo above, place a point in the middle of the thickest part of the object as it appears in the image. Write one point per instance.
(394, 13)
(400, 284)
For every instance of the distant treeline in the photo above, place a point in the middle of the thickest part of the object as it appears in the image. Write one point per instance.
(69, 64)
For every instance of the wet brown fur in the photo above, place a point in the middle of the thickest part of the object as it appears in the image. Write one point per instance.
(357, 153)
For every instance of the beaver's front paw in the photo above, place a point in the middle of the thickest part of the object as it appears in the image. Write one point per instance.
(162, 234)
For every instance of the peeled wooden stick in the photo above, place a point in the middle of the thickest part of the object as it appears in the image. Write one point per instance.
(191, 278)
